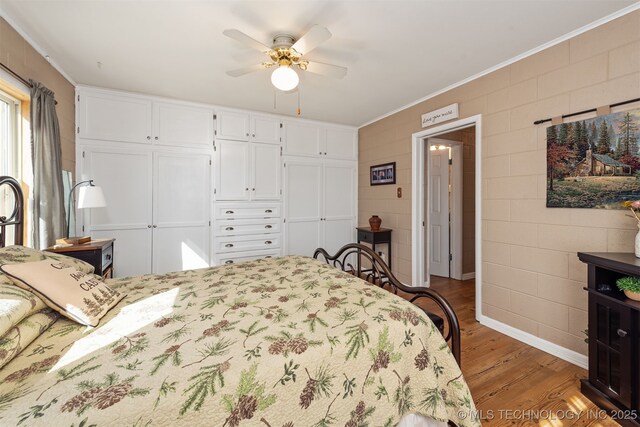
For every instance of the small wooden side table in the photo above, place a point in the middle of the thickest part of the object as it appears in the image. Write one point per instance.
(365, 234)
(98, 253)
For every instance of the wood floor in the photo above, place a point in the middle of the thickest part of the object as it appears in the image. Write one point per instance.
(506, 376)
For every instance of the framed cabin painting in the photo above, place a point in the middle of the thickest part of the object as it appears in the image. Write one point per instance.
(594, 163)
(383, 174)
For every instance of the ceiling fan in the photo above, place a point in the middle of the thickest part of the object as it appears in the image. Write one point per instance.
(286, 53)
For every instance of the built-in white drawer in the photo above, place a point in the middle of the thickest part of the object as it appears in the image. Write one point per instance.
(234, 258)
(245, 211)
(247, 243)
(243, 227)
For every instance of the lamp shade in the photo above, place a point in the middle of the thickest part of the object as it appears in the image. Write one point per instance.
(91, 196)
(284, 78)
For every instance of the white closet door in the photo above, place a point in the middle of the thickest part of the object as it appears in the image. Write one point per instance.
(181, 211)
(177, 124)
(232, 170)
(232, 125)
(341, 143)
(265, 129)
(339, 205)
(302, 139)
(125, 178)
(303, 207)
(120, 117)
(265, 160)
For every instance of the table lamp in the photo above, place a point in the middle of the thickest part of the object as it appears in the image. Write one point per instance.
(90, 196)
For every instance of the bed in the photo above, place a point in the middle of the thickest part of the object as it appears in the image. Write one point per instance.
(288, 341)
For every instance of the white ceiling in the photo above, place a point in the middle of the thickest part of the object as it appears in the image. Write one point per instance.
(396, 51)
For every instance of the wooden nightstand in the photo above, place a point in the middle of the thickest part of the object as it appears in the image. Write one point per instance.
(365, 234)
(98, 253)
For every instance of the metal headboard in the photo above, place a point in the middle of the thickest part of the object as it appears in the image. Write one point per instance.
(16, 218)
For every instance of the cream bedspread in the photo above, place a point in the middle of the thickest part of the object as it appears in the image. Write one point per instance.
(282, 342)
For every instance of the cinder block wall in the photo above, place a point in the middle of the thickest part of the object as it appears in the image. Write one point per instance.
(24, 60)
(532, 279)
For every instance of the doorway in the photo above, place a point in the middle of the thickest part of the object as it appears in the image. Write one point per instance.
(423, 190)
(444, 204)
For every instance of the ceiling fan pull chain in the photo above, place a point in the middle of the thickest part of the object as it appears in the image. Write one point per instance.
(298, 102)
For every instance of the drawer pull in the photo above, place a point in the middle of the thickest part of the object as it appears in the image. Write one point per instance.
(228, 261)
(229, 228)
(268, 242)
(108, 257)
(622, 333)
(268, 211)
(268, 226)
(228, 245)
(229, 212)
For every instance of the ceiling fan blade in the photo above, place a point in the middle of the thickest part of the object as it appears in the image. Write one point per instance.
(245, 70)
(243, 38)
(330, 70)
(312, 39)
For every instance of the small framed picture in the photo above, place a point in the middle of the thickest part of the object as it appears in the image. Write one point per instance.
(383, 174)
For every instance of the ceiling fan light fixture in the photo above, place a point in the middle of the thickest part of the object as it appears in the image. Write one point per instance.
(285, 78)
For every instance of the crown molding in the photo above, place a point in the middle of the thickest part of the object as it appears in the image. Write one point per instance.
(37, 47)
(563, 38)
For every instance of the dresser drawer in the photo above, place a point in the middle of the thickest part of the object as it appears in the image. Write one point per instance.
(234, 258)
(247, 243)
(253, 210)
(243, 227)
(107, 257)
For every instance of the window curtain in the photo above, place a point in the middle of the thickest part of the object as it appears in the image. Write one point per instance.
(48, 218)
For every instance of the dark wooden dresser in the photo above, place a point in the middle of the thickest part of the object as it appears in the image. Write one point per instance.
(98, 253)
(614, 337)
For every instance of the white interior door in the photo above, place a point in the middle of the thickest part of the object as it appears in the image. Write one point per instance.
(303, 207)
(232, 170)
(181, 211)
(125, 178)
(438, 215)
(265, 161)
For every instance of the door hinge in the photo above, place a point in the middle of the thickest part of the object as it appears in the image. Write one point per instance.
(209, 162)
(215, 191)
(83, 154)
(215, 116)
(280, 151)
(450, 257)
(78, 129)
(450, 161)
(423, 223)
(214, 146)
(284, 220)
(215, 132)
(281, 191)
(209, 223)
(78, 98)
(83, 228)
(280, 125)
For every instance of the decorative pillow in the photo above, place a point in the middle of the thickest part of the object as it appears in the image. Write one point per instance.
(15, 304)
(77, 295)
(19, 254)
(24, 333)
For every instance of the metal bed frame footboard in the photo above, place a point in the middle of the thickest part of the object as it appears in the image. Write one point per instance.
(361, 261)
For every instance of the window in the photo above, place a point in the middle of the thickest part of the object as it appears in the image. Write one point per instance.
(10, 153)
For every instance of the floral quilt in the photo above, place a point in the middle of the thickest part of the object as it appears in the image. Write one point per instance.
(278, 342)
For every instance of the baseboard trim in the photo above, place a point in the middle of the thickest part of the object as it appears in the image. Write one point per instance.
(468, 276)
(554, 349)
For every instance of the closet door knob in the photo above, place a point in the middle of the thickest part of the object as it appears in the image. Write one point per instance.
(148, 226)
(156, 138)
(268, 242)
(229, 212)
(253, 135)
(268, 211)
(320, 153)
(268, 226)
(228, 245)
(253, 189)
(325, 154)
(229, 228)
(228, 261)
(246, 189)
(148, 137)
(247, 133)
(622, 333)
(155, 226)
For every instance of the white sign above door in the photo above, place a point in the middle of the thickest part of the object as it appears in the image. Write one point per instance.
(440, 115)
